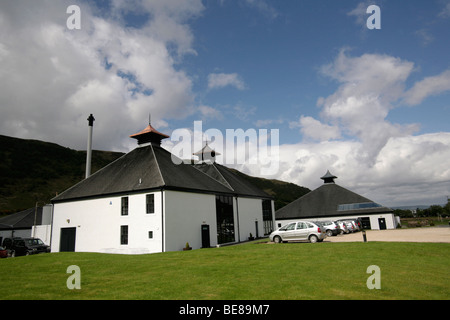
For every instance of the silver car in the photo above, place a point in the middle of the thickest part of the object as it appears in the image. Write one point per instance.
(300, 230)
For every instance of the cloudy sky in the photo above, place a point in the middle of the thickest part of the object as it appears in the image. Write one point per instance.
(370, 105)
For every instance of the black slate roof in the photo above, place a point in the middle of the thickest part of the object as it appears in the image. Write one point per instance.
(151, 167)
(324, 201)
(21, 220)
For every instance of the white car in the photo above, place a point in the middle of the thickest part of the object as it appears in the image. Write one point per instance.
(300, 230)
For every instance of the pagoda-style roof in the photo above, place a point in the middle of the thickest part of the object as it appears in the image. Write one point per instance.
(207, 153)
(151, 167)
(149, 135)
(328, 177)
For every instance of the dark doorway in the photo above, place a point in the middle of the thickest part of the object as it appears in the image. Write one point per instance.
(225, 219)
(67, 240)
(256, 227)
(365, 223)
(382, 223)
(205, 236)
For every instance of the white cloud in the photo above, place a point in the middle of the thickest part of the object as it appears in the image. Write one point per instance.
(220, 80)
(263, 7)
(382, 160)
(314, 129)
(52, 78)
(445, 12)
(427, 87)
(359, 12)
(209, 112)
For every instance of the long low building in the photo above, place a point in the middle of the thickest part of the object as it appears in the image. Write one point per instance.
(333, 202)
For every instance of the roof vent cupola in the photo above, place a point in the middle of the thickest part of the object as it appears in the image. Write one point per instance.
(149, 135)
(328, 177)
(206, 154)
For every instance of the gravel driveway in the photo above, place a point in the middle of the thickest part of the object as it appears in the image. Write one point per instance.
(426, 234)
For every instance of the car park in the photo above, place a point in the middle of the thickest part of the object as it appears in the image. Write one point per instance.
(298, 231)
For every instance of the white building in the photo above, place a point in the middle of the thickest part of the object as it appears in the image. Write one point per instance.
(30, 223)
(333, 202)
(144, 203)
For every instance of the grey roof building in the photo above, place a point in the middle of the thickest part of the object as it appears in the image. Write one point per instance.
(22, 220)
(331, 201)
(150, 201)
(151, 167)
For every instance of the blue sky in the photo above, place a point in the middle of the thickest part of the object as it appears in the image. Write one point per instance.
(278, 55)
(371, 106)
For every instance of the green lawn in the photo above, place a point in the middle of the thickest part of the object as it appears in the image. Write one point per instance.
(249, 271)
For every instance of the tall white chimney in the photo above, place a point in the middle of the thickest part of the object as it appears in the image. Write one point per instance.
(89, 145)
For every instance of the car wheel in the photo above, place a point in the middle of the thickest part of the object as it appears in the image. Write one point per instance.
(277, 239)
(329, 233)
(313, 239)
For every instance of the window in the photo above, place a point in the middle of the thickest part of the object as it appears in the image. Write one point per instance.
(267, 216)
(123, 234)
(124, 211)
(150, 203)
(150, 234)
(301, 225)
(289, 227)
(225, 219)
(356, 206)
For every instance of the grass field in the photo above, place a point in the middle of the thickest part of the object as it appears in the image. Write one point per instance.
(248, 271)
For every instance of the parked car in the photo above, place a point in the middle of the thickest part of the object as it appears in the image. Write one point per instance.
(25, 246)
(300, 230)
(342, 227)
(331, 228)
(3, 252)
(349, 225)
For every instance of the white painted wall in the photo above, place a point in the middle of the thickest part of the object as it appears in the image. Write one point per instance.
(98, 222)
(42, 232)
(177, 219)
(250, 210)
(184, 215)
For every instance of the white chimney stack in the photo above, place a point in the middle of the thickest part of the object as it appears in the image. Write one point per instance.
(89, 146)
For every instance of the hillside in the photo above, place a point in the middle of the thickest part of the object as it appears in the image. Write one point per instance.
(32, 171)
(283, 192)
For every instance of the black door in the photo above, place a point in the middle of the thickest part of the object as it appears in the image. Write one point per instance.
(382, 223)
(67, 241)
(205, 236)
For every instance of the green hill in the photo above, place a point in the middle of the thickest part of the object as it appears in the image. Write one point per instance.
(35, 171)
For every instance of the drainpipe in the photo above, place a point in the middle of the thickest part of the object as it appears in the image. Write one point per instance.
(162, 219)
(89, 145)
(237, 216)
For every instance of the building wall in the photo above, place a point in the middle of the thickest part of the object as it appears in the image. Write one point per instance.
(186, 212)
(249, 211)
(98, 223)
(184, 215)
(42, 232)
(22, 233)
(178, 218)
